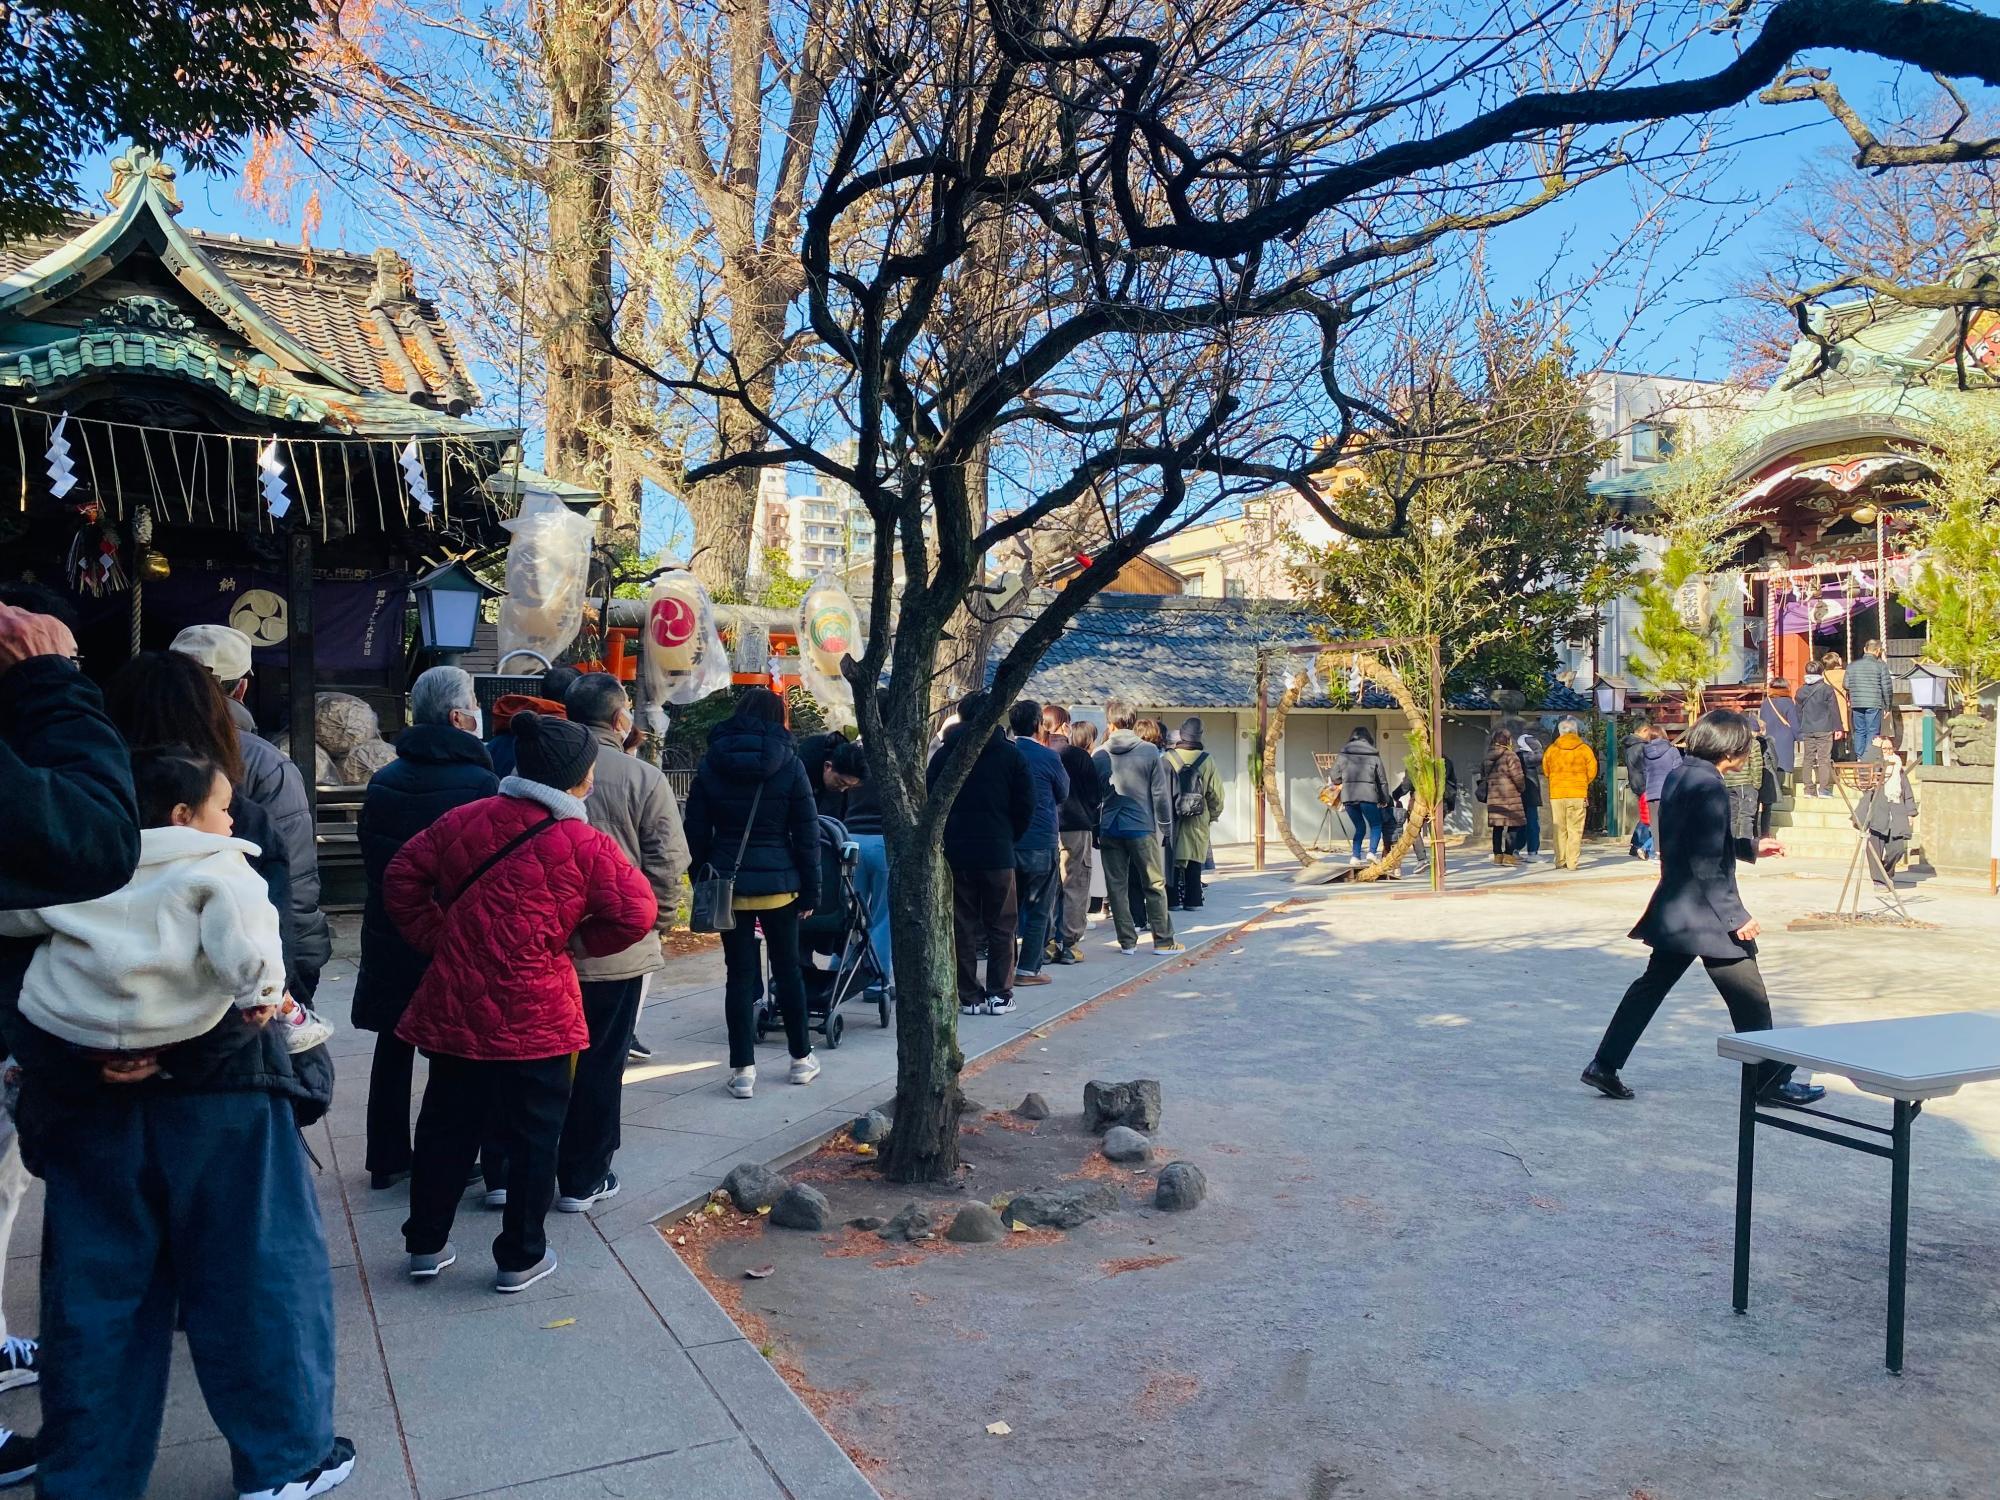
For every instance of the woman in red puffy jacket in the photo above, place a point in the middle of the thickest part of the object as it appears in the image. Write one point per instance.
(501, 893)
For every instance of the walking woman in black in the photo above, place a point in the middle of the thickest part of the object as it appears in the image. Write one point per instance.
(751, 813)
(1696, 912)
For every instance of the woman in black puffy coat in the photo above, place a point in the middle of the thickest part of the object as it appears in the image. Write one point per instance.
(751, 814)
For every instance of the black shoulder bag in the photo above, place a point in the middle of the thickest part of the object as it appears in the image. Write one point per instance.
(713, 906)
(499, 854)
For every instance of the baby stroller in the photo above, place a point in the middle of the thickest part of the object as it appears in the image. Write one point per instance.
(838, 930)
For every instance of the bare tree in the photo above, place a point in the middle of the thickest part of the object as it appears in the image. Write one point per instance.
(736, 89)
(1202, 210)
(1894, 225)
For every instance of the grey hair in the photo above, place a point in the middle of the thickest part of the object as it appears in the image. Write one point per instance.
(440, 690)
(1567, 726)
(596, 698)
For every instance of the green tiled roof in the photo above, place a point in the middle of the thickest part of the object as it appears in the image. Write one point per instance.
(285, 333)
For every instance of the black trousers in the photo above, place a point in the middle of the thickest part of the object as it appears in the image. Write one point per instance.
(742, 983)
(389, 1104)
(590, 1131)
(522, 1104)
(1736, 980)
(1184, 877)
(985, 906)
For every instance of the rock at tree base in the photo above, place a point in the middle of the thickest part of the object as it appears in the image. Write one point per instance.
(1136, 1104)
(967, 1105)
(871, 1129)
(976, 1224)
(801, 1207)
(1181, 1186)
(867, 1221)
(1062, 1207)
(752, 1186)
(913, 1223)
(1122, 1143)
(1034, 1107)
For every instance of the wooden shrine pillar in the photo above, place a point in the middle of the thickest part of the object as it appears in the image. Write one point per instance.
(299, 665)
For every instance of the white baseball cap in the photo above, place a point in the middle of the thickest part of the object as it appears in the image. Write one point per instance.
(223, 649)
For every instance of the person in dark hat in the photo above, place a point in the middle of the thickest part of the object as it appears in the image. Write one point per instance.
(1197, 789)
(503, 894)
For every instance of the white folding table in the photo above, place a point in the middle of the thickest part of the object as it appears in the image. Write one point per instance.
(1907, 1061)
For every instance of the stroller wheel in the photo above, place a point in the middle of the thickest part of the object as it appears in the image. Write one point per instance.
(882, 1007)
(834, 1026)
(763, 1023)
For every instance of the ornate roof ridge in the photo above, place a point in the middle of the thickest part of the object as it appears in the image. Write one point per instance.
(144, 206)
(351, 321)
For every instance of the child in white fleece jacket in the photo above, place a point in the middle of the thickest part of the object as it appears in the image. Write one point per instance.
(162, 960)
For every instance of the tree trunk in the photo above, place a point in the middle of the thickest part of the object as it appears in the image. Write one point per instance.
(724, 509)
(968, 638)
(577, 58)
(924, 1145)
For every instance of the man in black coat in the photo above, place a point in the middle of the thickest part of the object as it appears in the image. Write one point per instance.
(1696, 913)
(439, 765)
(72, 823)
(72, 835)
(991, 811)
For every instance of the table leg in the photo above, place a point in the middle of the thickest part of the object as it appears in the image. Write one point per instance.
(1899, 1228)
(1746, 1150)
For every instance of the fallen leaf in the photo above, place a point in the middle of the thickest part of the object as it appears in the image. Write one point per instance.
(1019, 1228)
(998, 1429)
(765, 1209)
(715, 1209)
(561, 1323)
(758, 1273)
(864, 1150)
(680, 1239)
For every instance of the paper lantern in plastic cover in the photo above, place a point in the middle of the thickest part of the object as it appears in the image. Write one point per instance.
(673, 626)
(832, 628)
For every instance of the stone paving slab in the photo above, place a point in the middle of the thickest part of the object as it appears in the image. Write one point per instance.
(450, 1391)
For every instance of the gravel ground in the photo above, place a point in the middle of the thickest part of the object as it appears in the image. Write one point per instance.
(1431, 1263)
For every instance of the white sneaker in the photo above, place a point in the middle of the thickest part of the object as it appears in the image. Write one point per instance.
(1355, 861)
(804, 1069)
(495, 1198)
(328, 1474)
(999, 1005)
(743, 1082)
(1132, 952)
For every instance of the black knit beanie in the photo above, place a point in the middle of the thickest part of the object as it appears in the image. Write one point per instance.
(552, 751)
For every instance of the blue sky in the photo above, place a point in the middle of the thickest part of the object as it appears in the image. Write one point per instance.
(1763, 149)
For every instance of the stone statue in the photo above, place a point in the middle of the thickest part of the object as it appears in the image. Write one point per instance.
(1970, 735)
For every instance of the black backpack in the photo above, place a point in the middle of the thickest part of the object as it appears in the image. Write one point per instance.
(1191, 801)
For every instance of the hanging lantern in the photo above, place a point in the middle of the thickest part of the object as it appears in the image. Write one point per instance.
(830, 627)
(673, 626)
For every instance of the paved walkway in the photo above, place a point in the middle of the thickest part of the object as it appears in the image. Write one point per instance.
(619, 1375)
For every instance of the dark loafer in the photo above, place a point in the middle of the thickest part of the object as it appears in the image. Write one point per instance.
(1794, 1095)
(1606, 1081)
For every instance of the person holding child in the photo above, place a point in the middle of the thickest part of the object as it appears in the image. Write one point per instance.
(162, 1109)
